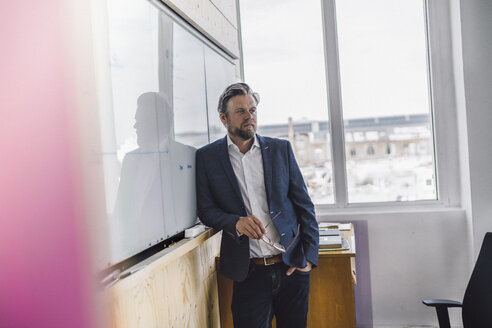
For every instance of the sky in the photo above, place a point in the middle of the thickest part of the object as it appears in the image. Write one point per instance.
(382, 54)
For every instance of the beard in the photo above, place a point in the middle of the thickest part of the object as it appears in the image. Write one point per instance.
(240, 133)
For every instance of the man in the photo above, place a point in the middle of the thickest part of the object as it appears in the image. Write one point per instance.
(251, 187)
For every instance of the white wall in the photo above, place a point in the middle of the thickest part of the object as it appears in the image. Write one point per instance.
(404, 257)
(461, 116)
(476, 109)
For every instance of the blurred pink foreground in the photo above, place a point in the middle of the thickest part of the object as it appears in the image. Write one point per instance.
(44, 263)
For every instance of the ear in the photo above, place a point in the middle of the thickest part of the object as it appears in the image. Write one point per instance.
(223, 118)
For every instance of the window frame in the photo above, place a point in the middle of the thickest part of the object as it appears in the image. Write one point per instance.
(442, 109)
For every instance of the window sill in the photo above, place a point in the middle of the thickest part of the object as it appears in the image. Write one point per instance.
(384, 208)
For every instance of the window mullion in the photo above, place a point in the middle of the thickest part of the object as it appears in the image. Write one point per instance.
(443, 102)
(334, 102)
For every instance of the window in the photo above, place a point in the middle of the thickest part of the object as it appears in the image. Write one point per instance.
(284, 62)
(385, 92)
(379, 140)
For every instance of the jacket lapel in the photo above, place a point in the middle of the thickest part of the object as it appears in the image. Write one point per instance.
(267, 166)
(227, 166)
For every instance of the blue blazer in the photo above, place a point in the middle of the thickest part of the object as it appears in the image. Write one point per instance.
(220, 204)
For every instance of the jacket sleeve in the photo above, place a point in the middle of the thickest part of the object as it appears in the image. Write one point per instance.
(304, 208)
(208, 211)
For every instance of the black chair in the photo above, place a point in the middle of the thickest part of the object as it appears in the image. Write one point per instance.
(477, 302)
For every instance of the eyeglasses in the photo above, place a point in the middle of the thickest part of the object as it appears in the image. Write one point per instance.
(278, 246)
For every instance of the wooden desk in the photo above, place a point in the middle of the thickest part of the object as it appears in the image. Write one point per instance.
(331, 295)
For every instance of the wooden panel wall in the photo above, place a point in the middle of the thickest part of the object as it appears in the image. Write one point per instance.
(177, 288)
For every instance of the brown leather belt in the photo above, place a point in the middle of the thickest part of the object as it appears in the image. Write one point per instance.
(267, 260)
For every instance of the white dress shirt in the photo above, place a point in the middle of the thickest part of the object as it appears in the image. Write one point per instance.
(249, 173)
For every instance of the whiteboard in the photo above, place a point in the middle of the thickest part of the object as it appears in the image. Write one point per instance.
(155, 111)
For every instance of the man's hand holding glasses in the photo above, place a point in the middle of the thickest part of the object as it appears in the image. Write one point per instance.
(250, 226)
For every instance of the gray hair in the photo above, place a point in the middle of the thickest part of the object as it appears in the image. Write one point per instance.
(236, 89)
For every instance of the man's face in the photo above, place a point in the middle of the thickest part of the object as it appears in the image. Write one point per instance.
(240, 120)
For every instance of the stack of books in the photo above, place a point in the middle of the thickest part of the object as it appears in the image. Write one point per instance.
(330, 238)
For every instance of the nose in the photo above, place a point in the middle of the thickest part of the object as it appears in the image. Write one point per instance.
(248, 116)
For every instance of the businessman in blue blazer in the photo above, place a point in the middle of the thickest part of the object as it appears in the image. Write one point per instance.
(251, 188)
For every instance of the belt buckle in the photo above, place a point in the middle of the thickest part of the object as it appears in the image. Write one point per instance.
(265, 261)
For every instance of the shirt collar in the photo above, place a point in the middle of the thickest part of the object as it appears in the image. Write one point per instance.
(230, 143)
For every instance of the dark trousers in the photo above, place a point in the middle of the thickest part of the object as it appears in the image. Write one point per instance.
(268, 292)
